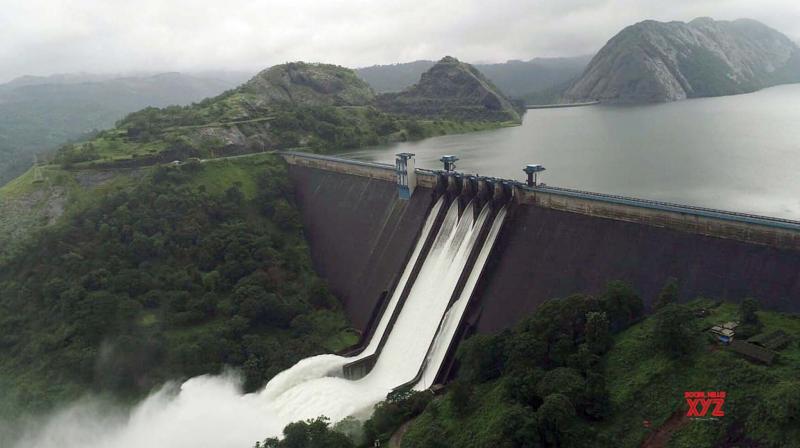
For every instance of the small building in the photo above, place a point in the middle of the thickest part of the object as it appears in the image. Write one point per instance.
(730, 325)
(724, 332)
(753, 352)
(724, 335)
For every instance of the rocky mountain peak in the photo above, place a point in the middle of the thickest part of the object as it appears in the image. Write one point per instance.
(302, 83)
(665, 61)
(452, 89)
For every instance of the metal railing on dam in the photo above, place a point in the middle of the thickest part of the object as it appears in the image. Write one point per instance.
(670, 207)
(374, 170)
(706, 221)
(312, 156)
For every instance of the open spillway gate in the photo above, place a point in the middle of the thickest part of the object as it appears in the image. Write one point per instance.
(458, 248)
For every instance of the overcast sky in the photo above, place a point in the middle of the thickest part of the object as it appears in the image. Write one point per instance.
(112, 36)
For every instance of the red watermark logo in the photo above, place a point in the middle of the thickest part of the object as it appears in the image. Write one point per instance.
(701, 402)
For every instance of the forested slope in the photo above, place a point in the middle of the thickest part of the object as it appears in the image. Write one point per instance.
(191, 269)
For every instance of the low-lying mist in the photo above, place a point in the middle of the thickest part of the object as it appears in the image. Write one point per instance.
(205, 411)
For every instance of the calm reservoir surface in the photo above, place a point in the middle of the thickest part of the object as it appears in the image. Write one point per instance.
(739, 153)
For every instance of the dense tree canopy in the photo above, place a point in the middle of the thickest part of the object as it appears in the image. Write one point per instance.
(165, 281)
(547, 371)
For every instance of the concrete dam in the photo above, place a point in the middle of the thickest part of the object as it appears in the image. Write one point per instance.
(417, 261)
(423, 258)
(555, 242)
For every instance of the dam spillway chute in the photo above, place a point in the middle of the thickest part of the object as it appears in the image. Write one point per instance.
(453, 318)
(428, 299)
(405, 342)
(406, 278)
(416, 333)
(428, 317)
(416, 330)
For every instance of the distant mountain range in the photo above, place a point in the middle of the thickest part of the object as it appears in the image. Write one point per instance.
(646, 62)
(655, 61)
(321, 107)
(228, 77)
(516, 79)
(38, 113)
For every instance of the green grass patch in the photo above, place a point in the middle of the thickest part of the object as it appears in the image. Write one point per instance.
(218, 175)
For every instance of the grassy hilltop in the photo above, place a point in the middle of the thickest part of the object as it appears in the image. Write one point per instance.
(317, 107)
(324, 108)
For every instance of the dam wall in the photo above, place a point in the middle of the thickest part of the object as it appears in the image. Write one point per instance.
(547, 253)
(375, 171)
(556, 242)
(753, 229)
(359, 233)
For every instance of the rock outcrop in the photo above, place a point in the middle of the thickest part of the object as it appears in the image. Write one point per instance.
(454, 90)
(515, 78)
(301, 83)
(655, 61)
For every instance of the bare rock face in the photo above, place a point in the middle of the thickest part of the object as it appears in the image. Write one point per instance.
(656, 61)
(301, 83)
(454, 90)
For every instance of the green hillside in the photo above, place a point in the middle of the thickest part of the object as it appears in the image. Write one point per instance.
(555, 380)
(515, 78)
(172, 273)
(589, 371)
(454, 90)
(317, 107)
(37, 114)
(323, 108)
(121, 269)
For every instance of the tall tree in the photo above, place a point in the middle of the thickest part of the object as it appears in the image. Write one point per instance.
(750, 325)
(673, 332)
(598, 336)
(622, 305)
(597, 403)
(668, 294)
(555, 416)
(747, 311)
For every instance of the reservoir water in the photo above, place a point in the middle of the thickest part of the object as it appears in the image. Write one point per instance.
(739, 153)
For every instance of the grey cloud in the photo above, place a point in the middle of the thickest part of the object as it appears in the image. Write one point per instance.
(51, 36)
